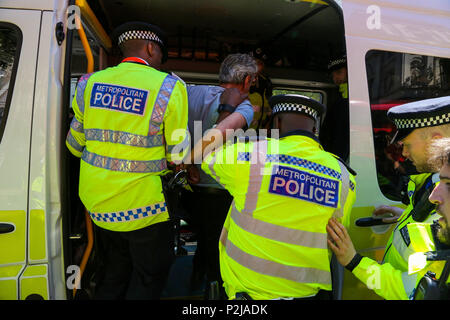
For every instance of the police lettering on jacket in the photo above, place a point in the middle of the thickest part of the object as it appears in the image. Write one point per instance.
(118, 98)
(304, 185)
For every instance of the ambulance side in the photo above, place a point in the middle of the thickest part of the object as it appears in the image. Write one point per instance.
(31, 251)
(397, 51)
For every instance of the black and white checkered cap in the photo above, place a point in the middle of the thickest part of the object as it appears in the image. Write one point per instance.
(137, 30)
(138, 35)
(420, 114)
(297, 103)
(337, 63)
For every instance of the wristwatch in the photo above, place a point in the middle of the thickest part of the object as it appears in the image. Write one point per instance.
(225, 107)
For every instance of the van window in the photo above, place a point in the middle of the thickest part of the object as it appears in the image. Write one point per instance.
(10, 42)
(393, 79)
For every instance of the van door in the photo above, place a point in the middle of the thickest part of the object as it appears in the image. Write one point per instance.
(383, 39)
(19, 36)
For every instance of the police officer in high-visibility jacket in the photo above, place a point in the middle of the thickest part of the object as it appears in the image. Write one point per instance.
(123, 130)
(274, 244)
(419, 123)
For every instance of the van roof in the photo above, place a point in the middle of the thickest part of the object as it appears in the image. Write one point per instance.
(307, 33)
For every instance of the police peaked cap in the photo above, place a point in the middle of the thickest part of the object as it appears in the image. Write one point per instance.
(419, 114)
(136, 30)
(337, 63)
(297, 104)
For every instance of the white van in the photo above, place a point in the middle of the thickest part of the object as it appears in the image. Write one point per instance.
(397, 51)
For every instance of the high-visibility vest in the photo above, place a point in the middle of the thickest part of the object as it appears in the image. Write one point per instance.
(395, 284)
(129, 121)
(390, 280)
(398, 248)
(274, 242)
(423, 240)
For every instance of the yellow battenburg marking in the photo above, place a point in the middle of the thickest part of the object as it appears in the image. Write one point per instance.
(37, 241)
(13, 244)
(8, 289)
(8, 282)
(34, 281)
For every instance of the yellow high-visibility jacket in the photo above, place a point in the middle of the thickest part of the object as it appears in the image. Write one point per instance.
(274, 242)
(130, 120)
(392, 273)
(396, 284)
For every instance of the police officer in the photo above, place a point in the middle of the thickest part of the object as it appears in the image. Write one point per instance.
(122, 130)
(335, 133)
(432, 240)
(273, 243)
(419, 124)
(260, 92)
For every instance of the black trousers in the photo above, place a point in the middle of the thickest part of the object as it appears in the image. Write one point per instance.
(208, 208)
(135, 265)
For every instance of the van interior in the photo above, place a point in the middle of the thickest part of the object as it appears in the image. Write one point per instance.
(298, 37)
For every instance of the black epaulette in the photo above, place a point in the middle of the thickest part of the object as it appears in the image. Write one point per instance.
(353, 172)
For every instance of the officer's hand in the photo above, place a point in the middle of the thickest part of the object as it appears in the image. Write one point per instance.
(339, 241)
(394, 213)
(232, 96)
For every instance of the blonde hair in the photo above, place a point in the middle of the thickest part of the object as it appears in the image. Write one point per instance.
(439, 151)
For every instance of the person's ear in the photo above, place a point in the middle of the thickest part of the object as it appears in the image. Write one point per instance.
(277, 123)
(248, 82)
(150, 48)
(436, 135)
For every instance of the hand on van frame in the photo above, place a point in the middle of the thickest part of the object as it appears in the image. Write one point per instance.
(395, 213)
(232, 96)
(340, 242)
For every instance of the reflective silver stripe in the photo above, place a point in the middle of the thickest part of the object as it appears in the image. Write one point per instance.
(159, 109)
(278, 233)
(81, 86)
(126, 138)
(76, 125)
(130, 215)
(274, 269)
(409, 283)
(345, 186)
(115, 164)
(73, 143)
(258, 157)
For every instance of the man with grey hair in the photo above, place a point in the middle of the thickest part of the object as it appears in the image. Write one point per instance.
(221, 107)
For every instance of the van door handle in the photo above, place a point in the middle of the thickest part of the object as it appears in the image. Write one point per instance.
(6, 227)
(370, 222)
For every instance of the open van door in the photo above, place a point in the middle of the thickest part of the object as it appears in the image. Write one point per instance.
(397, 52)
(19, 37)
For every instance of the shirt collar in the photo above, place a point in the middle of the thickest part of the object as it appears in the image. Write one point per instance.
(136, 60)
(301, 133)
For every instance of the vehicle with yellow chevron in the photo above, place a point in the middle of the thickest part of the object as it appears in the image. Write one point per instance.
(396, 51)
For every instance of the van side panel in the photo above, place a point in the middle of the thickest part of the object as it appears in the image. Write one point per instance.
(15, 148)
